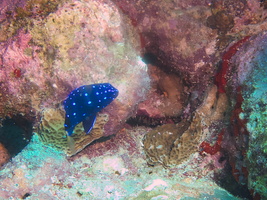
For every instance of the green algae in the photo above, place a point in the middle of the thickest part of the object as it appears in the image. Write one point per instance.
(159, 194)
(39, 152)
(218, 194)
(255, 111)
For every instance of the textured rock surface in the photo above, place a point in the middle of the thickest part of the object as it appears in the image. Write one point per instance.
(172, 144)
(114, 169)
(158, 143)
(81, 43)
(167, 96)
(252, 77)
(184, 43)
(52, 131)
(176, 33)
(187, 39)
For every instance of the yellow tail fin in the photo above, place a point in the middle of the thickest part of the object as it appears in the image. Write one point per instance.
(71, 144)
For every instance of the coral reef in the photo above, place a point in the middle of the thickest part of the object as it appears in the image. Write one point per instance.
(15, 134)
(176, 33)
(158, 143)
(252, 77)
(18, 14)
(196, 68)
(52, 131)
(221, 76)
(167, 33)
(172, 144)
(75, 45)
(166, 97)
(115, 169)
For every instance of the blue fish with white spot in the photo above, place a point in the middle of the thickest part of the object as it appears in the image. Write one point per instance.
(83, 104)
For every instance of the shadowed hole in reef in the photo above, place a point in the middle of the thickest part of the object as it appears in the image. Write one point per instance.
(150, 58)
(15, 134)
(143, 120)
(226, 180)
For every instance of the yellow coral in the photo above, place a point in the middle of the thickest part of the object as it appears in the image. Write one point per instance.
(172, 144)
(158, 142)
(188, 143)
(52, 132)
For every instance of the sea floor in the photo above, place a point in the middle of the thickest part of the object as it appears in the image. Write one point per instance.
(115, 169)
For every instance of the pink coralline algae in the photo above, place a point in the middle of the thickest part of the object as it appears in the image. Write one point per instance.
(81, 43)
(181, 68)
(176, 33)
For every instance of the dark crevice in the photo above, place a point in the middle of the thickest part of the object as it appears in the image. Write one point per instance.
(150, 58)
(226, 180)
(140, 120)
(15, 134)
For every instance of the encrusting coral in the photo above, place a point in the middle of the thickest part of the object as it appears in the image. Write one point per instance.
(52, 131)
(158, 142)
(171, 144)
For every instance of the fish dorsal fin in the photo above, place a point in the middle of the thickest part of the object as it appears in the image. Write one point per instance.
(88, 123)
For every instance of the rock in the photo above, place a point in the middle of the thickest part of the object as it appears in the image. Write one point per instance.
(175, 32)
(251, 79)
(172, 144)
(4, 155)
(167, 97)
(81, 43)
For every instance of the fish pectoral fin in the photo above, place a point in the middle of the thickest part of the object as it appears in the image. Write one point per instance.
(89, 123)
